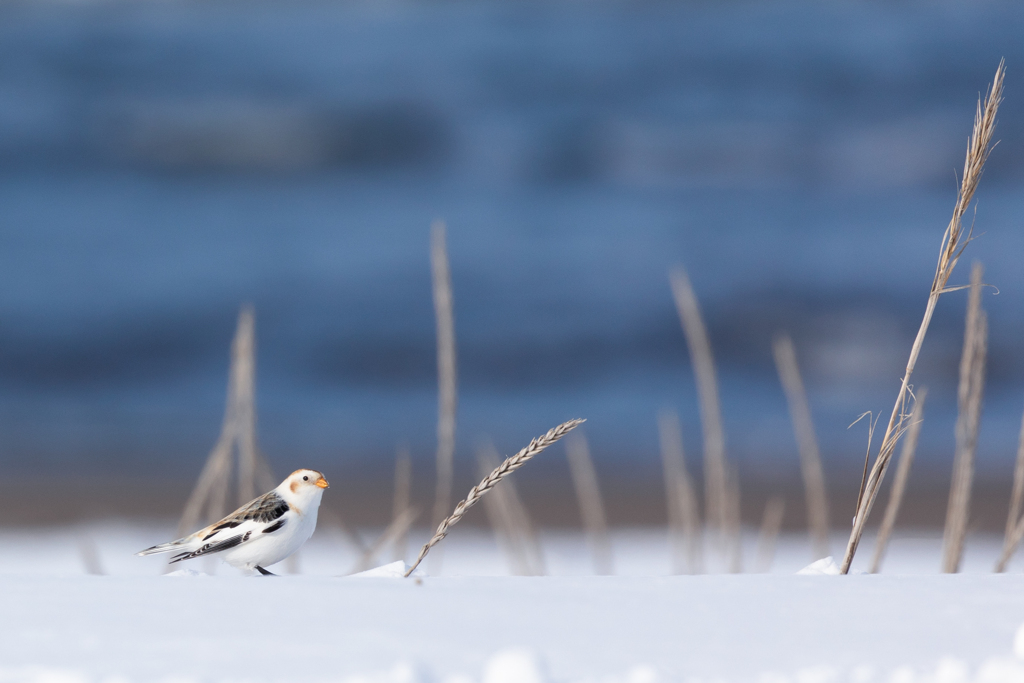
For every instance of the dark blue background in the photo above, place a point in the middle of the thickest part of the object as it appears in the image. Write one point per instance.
(163, 162)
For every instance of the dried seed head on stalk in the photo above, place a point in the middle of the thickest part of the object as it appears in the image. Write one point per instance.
(953, 243)
(506, 468)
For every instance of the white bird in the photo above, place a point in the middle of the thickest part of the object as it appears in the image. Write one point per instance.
(261, 533)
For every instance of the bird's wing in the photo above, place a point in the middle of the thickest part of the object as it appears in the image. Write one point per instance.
(264, 511)
(260, 516)
(228, 537)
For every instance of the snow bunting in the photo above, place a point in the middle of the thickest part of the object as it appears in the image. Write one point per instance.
(259, 534)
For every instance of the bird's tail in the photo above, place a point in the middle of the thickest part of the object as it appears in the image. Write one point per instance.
(164, 547)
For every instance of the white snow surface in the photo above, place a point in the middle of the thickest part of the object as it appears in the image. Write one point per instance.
(470, 625)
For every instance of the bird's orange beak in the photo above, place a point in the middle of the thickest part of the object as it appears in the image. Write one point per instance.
(322, 483)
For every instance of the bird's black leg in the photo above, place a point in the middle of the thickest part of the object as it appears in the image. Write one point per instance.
(263, 571)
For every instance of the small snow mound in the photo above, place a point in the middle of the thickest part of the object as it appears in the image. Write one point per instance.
(186, 574)
(39, 674)
(1000, 670)
(862, 673)
(1018, 642)
(817, 674)
(826, 566)
(404, 672)
(458, 678)
(395, 570)
(642, 674)
(951, 670)
(902, 674)
(514, 666)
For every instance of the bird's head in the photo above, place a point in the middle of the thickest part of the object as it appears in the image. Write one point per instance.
(304, 484)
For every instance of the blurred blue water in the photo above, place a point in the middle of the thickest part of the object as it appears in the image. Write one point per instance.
(162, 163)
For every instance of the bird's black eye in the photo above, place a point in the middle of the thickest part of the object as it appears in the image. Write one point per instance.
(305, 479)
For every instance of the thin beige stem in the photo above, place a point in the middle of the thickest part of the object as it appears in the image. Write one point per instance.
(210, 492)
(683, 511)
(509, 521)
(588, 494)
(521, 524)
(807, 444)
(899, 484)
(771, 524)
(338, 522)
(1013, 519)
(447, 397)
(400, 525)
(715, 465)
(1009, 548)
(954, 240)
(506, 468)
(969, 394)
(244, 353)
(265, 479)
(214, 475)
(498, 514)
(89, 554)
(733, 522)
(402, 499)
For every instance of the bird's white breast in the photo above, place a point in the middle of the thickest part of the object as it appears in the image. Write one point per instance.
(268, 549)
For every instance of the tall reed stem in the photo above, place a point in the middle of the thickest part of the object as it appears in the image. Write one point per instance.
(954, 240)
(588, 494)
(402, 498)
(972, 382)
(716, 469)
(238, 426)
(510, 521)
(1014, 521)
(447, 398)
(771, 524)
(683, 511)
(807, 444)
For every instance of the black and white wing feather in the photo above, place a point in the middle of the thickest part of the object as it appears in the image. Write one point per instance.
(264, 515)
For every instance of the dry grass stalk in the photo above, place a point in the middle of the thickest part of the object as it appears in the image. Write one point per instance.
(954, 240)
(510, 521)
(1014, 521)
(807, 443)
(683, 512)
(89, 554)
(899, 484)
(715, 466)
(447, 398)
(209, 498)
(771, 524)
(521, 523)
(500, 517)
(399, 526)
(588, 495)
(245, 404)
(969, 394)
(402, 499)
(210, 492)
(506, 468)
(733, 522)
(1007, 554)
(335, 520)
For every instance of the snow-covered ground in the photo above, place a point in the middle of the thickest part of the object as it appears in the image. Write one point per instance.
(471, 624)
